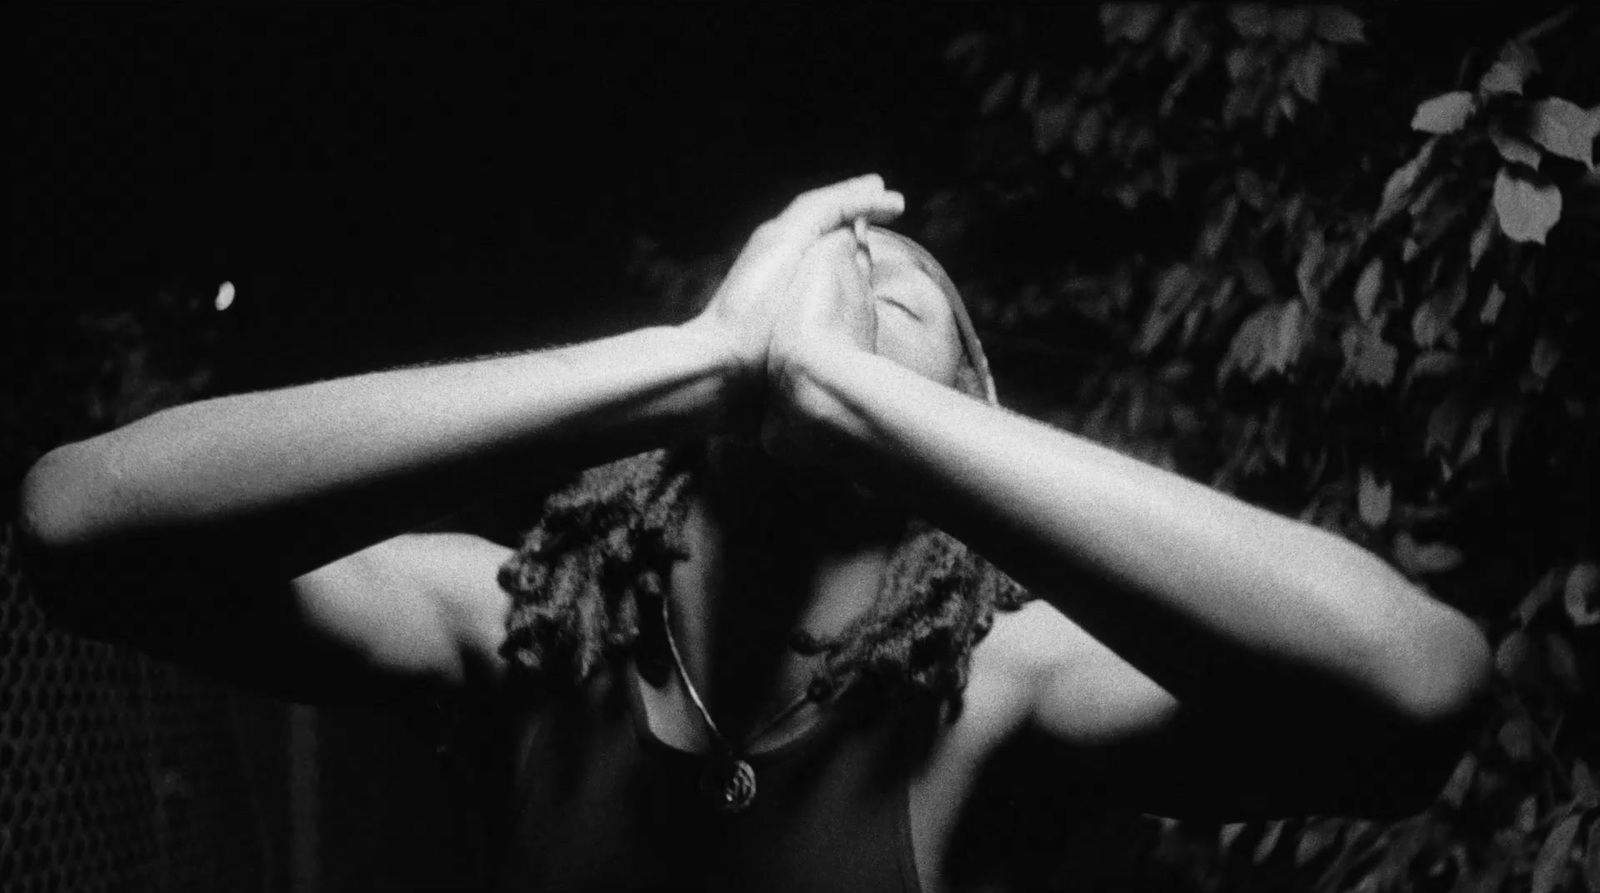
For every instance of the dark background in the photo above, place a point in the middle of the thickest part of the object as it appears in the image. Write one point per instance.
(394, 183)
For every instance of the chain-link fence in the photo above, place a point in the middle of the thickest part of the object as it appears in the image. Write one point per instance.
(121, 773)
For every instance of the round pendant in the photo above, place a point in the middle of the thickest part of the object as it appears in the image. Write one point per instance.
(730, 784)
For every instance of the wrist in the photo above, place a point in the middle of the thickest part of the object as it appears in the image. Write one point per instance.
(739, 379)
(812, 390)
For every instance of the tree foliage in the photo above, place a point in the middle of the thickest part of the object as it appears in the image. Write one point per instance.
(1274, 249)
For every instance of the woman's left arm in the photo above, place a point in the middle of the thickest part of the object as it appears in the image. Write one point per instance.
(1232, 609)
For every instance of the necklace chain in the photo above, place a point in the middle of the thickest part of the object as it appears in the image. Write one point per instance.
(711, 724)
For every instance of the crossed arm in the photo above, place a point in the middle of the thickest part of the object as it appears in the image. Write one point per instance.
(1213, 646)
(1227, 661)
(264, 537)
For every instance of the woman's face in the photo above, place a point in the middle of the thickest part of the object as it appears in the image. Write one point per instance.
(916, 327)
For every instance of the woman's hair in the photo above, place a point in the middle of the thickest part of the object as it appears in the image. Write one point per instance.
(588, 580)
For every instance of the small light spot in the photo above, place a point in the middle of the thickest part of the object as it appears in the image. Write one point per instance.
(225, 293)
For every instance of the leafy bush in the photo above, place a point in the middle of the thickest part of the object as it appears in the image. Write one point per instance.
(1319, 259)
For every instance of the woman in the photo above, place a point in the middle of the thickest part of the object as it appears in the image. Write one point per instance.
(744, 662)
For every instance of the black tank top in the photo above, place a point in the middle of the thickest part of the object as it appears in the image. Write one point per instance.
(601, 804)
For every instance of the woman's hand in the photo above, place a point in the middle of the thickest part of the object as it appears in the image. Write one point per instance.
(745, 309)
(829, 308)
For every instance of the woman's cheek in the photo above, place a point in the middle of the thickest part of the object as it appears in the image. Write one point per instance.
(909, 343)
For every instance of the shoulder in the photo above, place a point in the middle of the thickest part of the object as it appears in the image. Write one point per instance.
(1022, 652)
(1038, 668)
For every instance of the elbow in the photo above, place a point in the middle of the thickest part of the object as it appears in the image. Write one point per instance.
(61, 512)
(50, 511)
(1440, 672)
(58, 542)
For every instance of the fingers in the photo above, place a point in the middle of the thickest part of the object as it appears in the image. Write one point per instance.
(816, 212)
(863, 252)
(835, 289)
(832, 250)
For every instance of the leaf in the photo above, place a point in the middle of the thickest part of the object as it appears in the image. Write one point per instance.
(1565, 129)
(1091, 127)
(1455, 790)
(1445, 113)
(1268, 842)
(1546, 355)
(1472, 444)
(998, 93)
(1339, 25)
(1528, 814)
(1397, 189)
(1562, 661)
(1030, 91)
(1511, 653)
(1252, 189)
(1174, 292)
(1516, 739)
(1527, 207)
(971, 47)
(1551, 865)
(1130, 21)
(1251, 19)
(1591, 859)
(1239, 62)
(1434, 316)
(1444, 423)
(1578, 594)
(1521, 57)
(1419, 559)
(1368, 359)
(1482, 238)
(1432, 363)
(1291, 23)
(1584, 789)
(1514, 149)
(1507, 422)
(1502, 77)
(1050, 123)
(1257, 281)
(1247, 346)
(1373, 500)
(1308, 69)
(1492, 304)
(1368, 287)
(1290, 337)
(1537, 597)
(1309, 272)
(1216, 232)
(1316, 840)
(1178, 33)
(1270, 340)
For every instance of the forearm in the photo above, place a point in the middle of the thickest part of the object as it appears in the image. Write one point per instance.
(381, 451)
(1256, 591)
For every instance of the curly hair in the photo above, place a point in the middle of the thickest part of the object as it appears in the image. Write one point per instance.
(587, 581)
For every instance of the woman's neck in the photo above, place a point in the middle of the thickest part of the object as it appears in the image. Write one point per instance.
(773, 550)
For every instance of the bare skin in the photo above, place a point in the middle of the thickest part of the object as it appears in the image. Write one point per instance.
(1190, 651)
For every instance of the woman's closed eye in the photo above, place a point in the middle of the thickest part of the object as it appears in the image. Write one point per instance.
(893, 302)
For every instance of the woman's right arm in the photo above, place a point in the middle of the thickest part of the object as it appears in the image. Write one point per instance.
(262, 539)
(264, 535)
(300, 476)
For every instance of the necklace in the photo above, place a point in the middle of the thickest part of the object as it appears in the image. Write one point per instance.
(728, 781)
